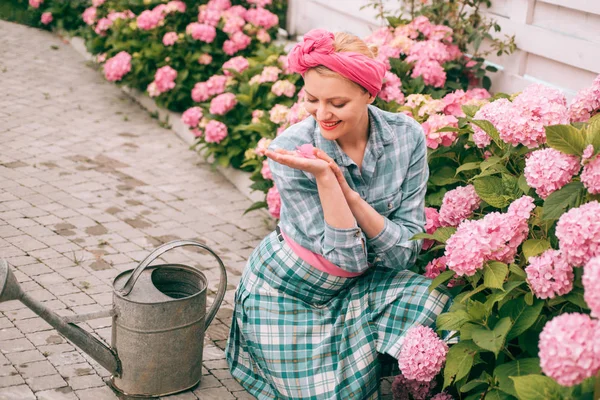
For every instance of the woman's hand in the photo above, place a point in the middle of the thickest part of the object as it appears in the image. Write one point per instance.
(349, 194)
(292, 159)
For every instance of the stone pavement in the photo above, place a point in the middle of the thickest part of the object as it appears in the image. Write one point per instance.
(89, 185)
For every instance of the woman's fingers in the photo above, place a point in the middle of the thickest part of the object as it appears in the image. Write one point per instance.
(322, 155)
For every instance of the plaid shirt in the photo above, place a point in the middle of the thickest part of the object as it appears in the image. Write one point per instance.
(392, 179)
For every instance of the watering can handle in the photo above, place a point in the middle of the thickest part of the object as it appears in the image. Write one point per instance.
(126, 289)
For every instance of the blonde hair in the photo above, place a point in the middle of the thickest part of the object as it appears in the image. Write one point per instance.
(347, 42)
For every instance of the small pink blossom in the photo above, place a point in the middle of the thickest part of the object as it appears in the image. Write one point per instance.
(149, 19)
(268, 74)
(274, 202)
(202, 32)
(283, 88)
(403, 388)
(391, 90)
(262, 17)
(432, 222)
(591, 285)
(175, 6)
(170, 38)
(296, 114)
(89, 15)
(209, 16)
(46, 18)
(266, 171)
(238, 64)
(586, 103)
(165, 78)
(435, 267)
(263, 36)
(205, 59)
(548, 170)
(102, 26)
(260, 3)
(98, 3)
(549, 275)
(431, 71)
(192, 116)
(220, 5)
(458, 204)
(262, 146)
(569, 348)
(306, 150)
(215, 132)
(588, 152)
(222, 104)
(118, 66)
(590, 177)
(278, 113)
(436, 122)
(423, 354)
(256, 116)
(35, 3)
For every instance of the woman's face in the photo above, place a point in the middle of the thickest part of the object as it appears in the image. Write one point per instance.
(338, 105)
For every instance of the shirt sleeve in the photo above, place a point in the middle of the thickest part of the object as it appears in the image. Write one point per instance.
(392, 246)
(303, 220)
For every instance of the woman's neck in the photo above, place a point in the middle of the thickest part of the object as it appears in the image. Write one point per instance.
(354, 143)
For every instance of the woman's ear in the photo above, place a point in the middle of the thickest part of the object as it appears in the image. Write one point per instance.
(371, 98)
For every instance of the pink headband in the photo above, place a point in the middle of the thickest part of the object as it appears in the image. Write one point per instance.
(317, 49)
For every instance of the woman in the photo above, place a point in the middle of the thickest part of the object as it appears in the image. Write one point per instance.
(328, 292)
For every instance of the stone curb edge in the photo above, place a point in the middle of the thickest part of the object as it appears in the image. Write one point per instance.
(239, 179)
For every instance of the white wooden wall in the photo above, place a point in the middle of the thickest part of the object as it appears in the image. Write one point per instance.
(558, 40)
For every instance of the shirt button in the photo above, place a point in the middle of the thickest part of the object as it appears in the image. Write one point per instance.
(390, 205)
(357, 234)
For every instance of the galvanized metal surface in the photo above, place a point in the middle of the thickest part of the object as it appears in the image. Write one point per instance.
(158, 326)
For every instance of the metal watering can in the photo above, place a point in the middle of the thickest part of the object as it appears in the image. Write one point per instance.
(158, 323)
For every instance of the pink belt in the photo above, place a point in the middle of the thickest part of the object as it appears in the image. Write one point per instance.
(313, 259)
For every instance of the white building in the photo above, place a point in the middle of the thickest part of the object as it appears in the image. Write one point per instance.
(558, 40)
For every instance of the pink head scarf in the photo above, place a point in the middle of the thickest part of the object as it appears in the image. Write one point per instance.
(317, 49)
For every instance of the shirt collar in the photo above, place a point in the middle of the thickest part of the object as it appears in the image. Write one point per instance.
(381, 134)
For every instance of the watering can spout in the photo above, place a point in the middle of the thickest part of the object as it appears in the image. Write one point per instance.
(10, 290)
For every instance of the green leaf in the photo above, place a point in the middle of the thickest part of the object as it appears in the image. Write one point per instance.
(518, 271)
(477, 310)
(561, 200)
(443, 176)
(565, 138)
(441, 278)
(444, 233)
(510, 184)
(490, 130)
(468, 166)
(534, 247)
(470, 110)
(593, 133)
(256, 206)
(494, 274)
(496, 394)
(452, 321)
(537, 387)
(467, 387)
(575, 296)
(529, 298)
(499, 295)
(490, 190)
(517, 368)
(492, 340)
(490, 161)
(521, 314)
(459, 361)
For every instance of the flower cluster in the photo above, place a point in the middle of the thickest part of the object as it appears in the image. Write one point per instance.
(591, 285)
(215, 85)
(274, 202)
(547, 170)
(454, 101)
(431, 128)
(549, 275)
(164, 80)
(223, 103)
(495, 237)
(215, 131)
(192, 116)
(569, 348)
(435, 267)
(523, 120)
(578, 233)
(458, 204)
(268, 74)
(239, 64)
(404, 389)
(586, 103)
(392, 88)
(422, 355)
(117, 67)
(432, 222)
(590, 176)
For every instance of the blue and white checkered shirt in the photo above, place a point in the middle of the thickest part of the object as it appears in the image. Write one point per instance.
(392, 179)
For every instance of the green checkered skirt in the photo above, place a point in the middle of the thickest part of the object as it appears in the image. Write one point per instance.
(299, 333)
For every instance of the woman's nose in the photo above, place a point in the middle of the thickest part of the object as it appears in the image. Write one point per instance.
(323, 113)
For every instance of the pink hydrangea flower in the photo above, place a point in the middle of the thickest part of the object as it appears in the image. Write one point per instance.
(175, 6)
(296, 114)
(202, 32)
(495, 237)
(220, 5)
(458, 204)
(431, 107)
(306, 150)
(442, 396)
(586, 103)
(89, 15)
(262, 146)
(35, 3)
(543, 106)
(117, 67)
(238, 64)
(403, 388)
(588, 152)
(165, 79)
(391, 90)
(205, 59)
(98, 3)
(241, 40)
(591, 285)
(46, 18)
(423, 354)
(431, 50)
(548, 170)
(150, 19)
(283, 88)
(260, 3)
(115, 15)
(278, 114)
(435, 267)
(578, 233)
(170, 38)
(590, 177)
(233, 23)
(204, 90)
(431, 71)
(262, 17)
(285, 65)
(222, 104)
(256, 116)
(432, 222)
(274, 202)
(569, 348)
(435, 122)
(215, 132)
(263, 36)
(192, 116)
(549, 275)
(265, 171)
(268, 74)
(209, 16)
(102, 26)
